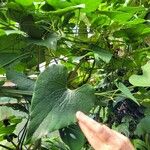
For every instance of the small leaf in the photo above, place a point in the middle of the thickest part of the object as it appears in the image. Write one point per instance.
(126, 92)
(89, 4)
(139, 144)
(56, 102)
(21, 80)
(102, 54)
(73, 137)
(144, 126)
(123, 128)
(4, 130)
(145, 102)
(142, 80)
(49, 42)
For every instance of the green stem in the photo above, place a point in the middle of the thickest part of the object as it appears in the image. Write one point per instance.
(12, 103)
(5, 147)
(65, 10)
(17, 93)
(104, 93)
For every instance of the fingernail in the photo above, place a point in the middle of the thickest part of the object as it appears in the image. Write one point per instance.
(78, 114)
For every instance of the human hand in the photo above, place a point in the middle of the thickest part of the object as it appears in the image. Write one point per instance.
(100, 136)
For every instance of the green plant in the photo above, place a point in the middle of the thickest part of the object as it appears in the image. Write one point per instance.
(84, 55)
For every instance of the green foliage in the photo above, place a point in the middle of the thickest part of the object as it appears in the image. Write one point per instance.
(22, 81)
(126, 92)
(24, 2)
(68, 55)
(142, 80)
(60, 103)
(73, 137)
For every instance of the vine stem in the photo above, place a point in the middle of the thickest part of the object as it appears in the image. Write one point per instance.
(15, 92)
(5, 147)
(12, 103)
(104, 93)
(112, 91)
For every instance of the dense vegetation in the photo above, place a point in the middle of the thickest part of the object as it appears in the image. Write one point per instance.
(60, 56)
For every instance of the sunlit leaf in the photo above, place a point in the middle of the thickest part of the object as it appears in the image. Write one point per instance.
(25, 2)
(89, 4)
(118, 15)
(59, 3)
(142, 80)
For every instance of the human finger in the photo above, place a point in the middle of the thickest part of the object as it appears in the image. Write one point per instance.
(108, 137)
(92, 137)
(102, 131)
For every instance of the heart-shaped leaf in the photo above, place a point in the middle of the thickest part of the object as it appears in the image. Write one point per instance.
(142, 80)
(54, 105)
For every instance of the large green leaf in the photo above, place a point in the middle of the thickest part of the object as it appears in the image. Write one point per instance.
(12, 43)
(54, 105)
(7, 58)
(73, 137)
(142, 80)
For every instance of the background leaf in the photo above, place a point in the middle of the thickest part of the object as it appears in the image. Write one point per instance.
(73, 137)
(143, 127)
(89, 4)
(21, 80)
(24, 2)
(102, 54)
(142, 80)
(126, 92)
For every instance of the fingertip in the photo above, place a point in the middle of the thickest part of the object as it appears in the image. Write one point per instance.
(78, 114)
